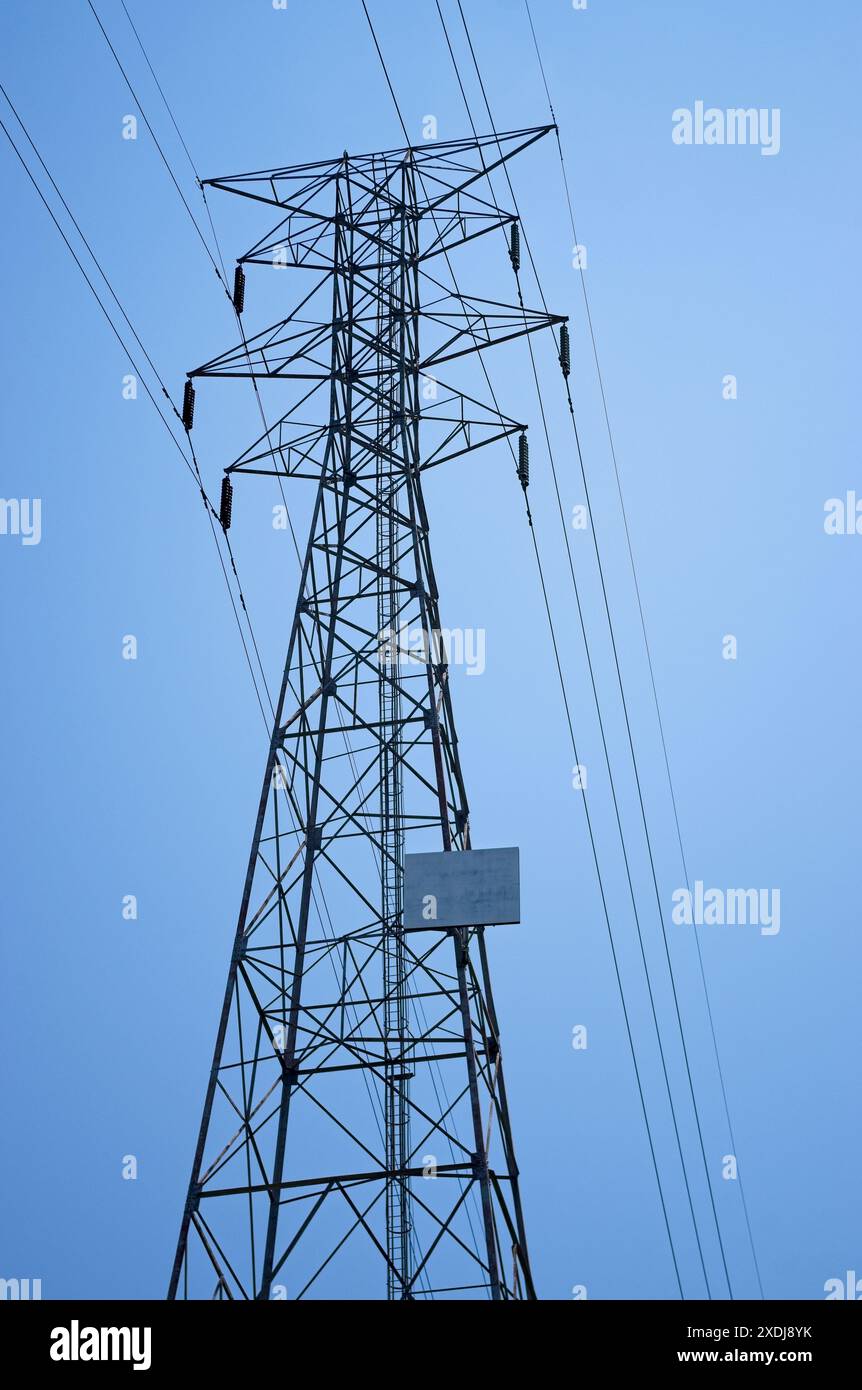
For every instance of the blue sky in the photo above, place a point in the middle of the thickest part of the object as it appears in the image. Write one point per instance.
(141, 777)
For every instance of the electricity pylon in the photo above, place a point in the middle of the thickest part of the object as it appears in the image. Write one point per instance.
(355, 1121)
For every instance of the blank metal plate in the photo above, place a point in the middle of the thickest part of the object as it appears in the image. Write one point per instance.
(462, 888)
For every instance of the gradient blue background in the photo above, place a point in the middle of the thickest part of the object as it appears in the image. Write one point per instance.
(142, 777)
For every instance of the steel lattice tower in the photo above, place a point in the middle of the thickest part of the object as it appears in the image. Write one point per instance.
(355, 1121)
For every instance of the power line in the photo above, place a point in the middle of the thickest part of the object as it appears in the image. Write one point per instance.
(92, 253)
(585, 639)
(627, 723)
(160, 91)
(191, 464)
(386, 73)
(630, 548)
(180, 137)
(93, 289)
(222, 276)
(162, 154)
(606, 913)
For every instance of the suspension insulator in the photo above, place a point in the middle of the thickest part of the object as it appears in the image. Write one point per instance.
(226, 502)
(188, 405)
(565, 351)
(523, 462)
(515, 246)
(239, 289)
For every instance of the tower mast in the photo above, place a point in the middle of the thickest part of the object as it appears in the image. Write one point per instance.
(355, 1115)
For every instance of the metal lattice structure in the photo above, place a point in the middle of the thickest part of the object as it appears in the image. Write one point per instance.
(355, 1123)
